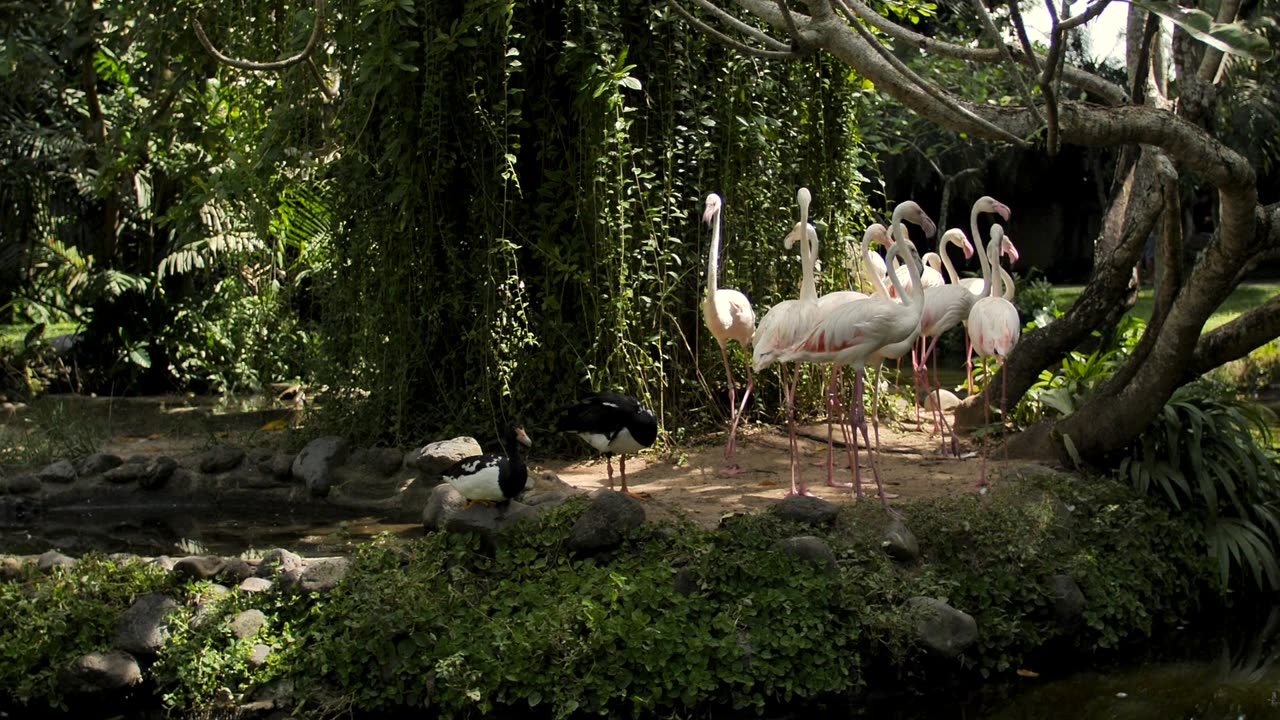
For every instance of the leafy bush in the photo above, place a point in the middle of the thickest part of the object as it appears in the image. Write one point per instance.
(1203, 453)
(1034, 297)
(53, 619)
(1060, 392)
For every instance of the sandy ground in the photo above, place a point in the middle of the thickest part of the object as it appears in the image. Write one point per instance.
(687, 482)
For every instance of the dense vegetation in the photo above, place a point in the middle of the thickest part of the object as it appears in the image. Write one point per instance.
(445, 623)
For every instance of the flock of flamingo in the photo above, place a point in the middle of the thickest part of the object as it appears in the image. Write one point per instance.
(853, 329)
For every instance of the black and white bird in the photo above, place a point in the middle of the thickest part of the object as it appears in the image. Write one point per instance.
(611, 423)
(493, 478)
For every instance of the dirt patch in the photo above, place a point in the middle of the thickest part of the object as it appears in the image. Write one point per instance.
(687, 483)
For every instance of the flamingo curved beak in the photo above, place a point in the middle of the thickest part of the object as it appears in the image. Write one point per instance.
(1002, 210)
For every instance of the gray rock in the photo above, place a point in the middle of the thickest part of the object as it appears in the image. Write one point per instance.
(683, 582)
(549, 491)
(258, 657)
(314, 466)
(99, 463)
(143, 628)
(806, 509)
(255, 585)
(607, 518)
(164, 562)
(900, 542)
(20, 485)
(810, 549)
(61, 471)
(385, 461)
(487, 520)
(1068, 601)
(436, 457)
(207, 605)
(125, 473)
(157, 472)
(238, 570)
(247, 624)
(51, 559)
(278, 561)
(199, 567)
(943, 630)
(444, 503)
(220, 459)
(318, 575)
(99, 672)
(280, 467)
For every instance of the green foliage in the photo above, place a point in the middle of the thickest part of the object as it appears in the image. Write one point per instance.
(1206, 454)
(1060, 392)
(55, 618)
(47, 433)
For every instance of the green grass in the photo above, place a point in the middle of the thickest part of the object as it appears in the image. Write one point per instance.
(11, 335)
(1246, 296)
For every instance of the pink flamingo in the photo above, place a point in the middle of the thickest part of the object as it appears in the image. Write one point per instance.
(855, 332)
(944, 308)
(994, 327)
(729, 316)
(977, 286)
(784, 325)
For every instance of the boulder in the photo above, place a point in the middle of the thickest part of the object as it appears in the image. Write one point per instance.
(385, 461)
(258, 656)
(199, 567)
(444, 503)
(20, 485)
(900, 542)
(50, 559)
(255, 585)
(61, 471)
(609, 515)
(220, 459)
(317, 575)
(99, 672)
(806, 509)
(314, 466)
(434, 458)
(487, 520)
(143, 628)
(943, 630)
(1068, 601)
(99, 463)
(278, 561)
(157, 472)
(247, 623)
(811, 549)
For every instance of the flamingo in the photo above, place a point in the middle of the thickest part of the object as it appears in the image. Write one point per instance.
(729, 316)
(993, 327)
(785, 324)
(858, 331)
(944, 308)
(977, 286)
(931, 276)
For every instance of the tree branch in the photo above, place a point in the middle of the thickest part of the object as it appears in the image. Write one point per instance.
(265, 66)
(1212, 60)
(1237, 338)
(705, 29)
(998, 42)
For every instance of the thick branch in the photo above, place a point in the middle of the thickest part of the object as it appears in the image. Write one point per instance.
(261, 66)
(732, 44)
(1237, 338)
(1212, 60)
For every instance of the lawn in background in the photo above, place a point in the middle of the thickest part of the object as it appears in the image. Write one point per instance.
(1245, 297)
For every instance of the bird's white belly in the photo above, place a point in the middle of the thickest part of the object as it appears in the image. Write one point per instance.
(622, 442)
(483, 485)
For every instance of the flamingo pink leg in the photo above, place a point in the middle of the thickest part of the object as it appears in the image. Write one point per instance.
(833, 412)
(797, 482)
(731, 468)
(857, 418)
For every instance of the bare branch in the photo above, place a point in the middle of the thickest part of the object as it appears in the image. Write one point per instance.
(1020, 28)
(319, 78)
(729, 42)
(1090, 13)
(791, 23)
(1238, 338)
(739, 26)
(1109, 92)
(274, 65)
(929, 88)
(998, 41)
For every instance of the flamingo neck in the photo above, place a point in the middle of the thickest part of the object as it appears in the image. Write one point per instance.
(1008, 285)
(952, 275)
(992, 284)
(713, 259)
(982, 256)
(808, 287)
(877, 283)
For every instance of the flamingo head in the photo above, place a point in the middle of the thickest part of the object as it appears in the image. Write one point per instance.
(986, 203)
(803, 197)
(956, 236)
(912, 212)
(876, 234)
(810, 232)
(713, 208)
(1007, 248)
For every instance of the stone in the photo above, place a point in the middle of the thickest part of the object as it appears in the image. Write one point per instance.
(10, 568)
(61, 471)
(99, 672)
(811, 549)
(900, 542)
(434, 458)
(247, 624)
(318, 575)
(20, 485)
(609, 515)
(683, 582)
(1068, 601)
(99, 463)
(385, 461)
(237, 570)
(314, 466)
(943, 630)
(549, 491)
(487, 520)
(207, 605)
(199, 567)
(280, 467)
(125, 473)
(444, 503)
(157, 472)
(143, 628)
(220, 459)
(806, 509)
(278, 561)
(51, 559)
(164, 562)
(255, 585)
(258, 655)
